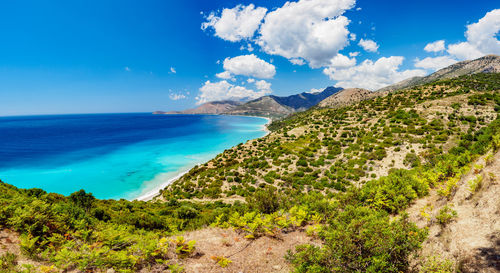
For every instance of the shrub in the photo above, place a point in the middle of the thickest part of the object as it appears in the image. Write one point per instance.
(446, 215)
(265, 200)
(411, 160)
(475, 183)
(361, 240)
(436, 264)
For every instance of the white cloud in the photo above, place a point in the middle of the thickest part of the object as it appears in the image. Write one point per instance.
(249, 65)
(224, 75)
(368, 45)
(341, 61)
(353, 54)
(372, 75)
(434, 63)
(297, 61)
(222, 90)
(237, 23)
(481, 38)
(313, 30)
(315, 90)
(172, 70)
(436, 46)
(264, 86)
(177, 96)
(464, 51)
(352, 36)
(250, 80)
(248, 47)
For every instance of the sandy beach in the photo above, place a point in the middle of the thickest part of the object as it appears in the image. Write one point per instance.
(150, 195)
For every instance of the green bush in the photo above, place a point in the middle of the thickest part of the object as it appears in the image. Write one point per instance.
(360, 239)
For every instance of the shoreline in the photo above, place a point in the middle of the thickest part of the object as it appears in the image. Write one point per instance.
(150, 195)
(155, 192)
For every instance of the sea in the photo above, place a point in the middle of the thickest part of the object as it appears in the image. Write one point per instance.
(114, 156)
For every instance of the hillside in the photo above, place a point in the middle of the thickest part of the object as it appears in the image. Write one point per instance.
(210, 108)
(276, 107)
(325, 191)
(347, 97)
(486, 64)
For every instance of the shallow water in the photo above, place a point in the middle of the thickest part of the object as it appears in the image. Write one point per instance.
(113, 155)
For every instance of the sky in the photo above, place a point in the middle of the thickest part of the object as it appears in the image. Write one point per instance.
(117, 56)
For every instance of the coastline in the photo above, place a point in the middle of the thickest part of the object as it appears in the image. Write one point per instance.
(155, 192)
(150, 195)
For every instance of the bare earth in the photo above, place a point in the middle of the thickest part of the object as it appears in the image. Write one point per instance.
(472, 240)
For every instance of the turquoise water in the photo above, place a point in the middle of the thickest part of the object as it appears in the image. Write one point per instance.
(114, 156)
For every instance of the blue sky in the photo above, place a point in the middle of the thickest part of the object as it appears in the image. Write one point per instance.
(141, 56)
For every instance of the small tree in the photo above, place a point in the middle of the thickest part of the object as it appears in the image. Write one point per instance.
(83, 199)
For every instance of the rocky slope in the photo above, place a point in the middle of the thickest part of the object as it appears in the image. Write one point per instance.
(347, 97)
(486, 64)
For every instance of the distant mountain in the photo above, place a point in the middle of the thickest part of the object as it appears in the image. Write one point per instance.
(347, 97)
(278, 107)
(265, 106)
(304, 101)
(214, 107)
(486, 64)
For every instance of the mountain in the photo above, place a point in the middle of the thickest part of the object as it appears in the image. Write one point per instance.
(304, 101)
(277, 107)
(486, 64)
(265, 106)
(214, 107)
(347, 97)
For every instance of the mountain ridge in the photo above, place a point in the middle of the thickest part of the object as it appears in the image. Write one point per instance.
(485, 64)
(270, 106)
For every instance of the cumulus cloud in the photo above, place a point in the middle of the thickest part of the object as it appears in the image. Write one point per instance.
(313, 30)
(223, 90)
(263, 86)
(372, 75)
(249, 65)
(341, 61)
(368, 45)
(172, 70)
(224, 75)
(481, 38)
(434, 63)
(436, 46)
(237, 23)
(464, 51)
(315, 90)
(250, 80)
(176, 96)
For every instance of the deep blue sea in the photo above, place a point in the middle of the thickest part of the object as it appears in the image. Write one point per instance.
(113, 155)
